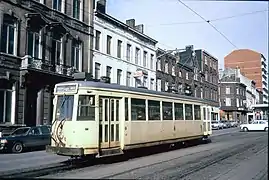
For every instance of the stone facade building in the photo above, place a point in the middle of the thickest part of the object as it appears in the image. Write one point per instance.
(190, 72)
(172, 75)
(42, 43)
(233, 96)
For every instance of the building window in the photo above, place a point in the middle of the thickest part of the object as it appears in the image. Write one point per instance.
(166, 67)
(180, 73)
(237, 102)
(145, 83)
(152, 84)
(128, 52)
(57, 50)
(119, 72)
(228, 90)
(128, 79)
(145, 59)
(5, 106)
(119, 48)
(97, 71)
(108, 45)
(202, 93)
(76, 59)
(151, 61)
(205, 60)
(159, 84)
(187, 75)
(108, 71)
(77, 9)
(166, 86)
(159, 65)
(228, 101)
(9, 35)
(97, 40)
(173, 70)
(237, 90)
(57, 5)
(179, 87)
(137, 55)
(34, 44)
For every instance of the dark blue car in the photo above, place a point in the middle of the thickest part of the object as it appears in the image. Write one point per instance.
(25, 137)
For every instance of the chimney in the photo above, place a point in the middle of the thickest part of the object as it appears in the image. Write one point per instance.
(101, 6)
(131, 23)
(140, 28)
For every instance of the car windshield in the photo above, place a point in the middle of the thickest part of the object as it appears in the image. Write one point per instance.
(20, 131)
(64, 107)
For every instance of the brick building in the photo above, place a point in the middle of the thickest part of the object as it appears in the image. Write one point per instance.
(190, 72)
(42, 43)
(233, 95)
(253, 65)
(170, 76)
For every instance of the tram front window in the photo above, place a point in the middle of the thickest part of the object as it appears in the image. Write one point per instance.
(86, 108)
(64, 107)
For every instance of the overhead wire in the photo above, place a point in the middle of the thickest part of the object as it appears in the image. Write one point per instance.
(212, 20)
(225, 37)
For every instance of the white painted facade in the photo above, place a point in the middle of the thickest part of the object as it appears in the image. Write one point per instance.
(128, 67)
(252, 94)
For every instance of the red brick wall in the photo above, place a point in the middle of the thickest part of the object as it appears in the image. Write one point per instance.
(249, 63)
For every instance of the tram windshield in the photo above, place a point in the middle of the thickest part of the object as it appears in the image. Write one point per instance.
(64, 107)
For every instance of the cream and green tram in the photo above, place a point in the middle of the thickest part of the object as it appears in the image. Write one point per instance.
(95, 118)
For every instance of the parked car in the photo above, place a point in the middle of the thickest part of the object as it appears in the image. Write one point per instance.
(234, 124)
(257, 125)
(226, 124)
(216, 125)
(25, 137)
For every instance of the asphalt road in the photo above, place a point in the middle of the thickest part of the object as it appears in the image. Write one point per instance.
(233, 156)
(27, 160)
(40, 158)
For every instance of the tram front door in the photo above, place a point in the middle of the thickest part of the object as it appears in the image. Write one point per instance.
(109, 128)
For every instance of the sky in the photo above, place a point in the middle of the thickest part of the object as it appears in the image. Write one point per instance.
(162, 18)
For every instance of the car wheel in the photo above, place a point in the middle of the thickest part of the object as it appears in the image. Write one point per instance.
(266, 129)
(17, 147)
(245, 129)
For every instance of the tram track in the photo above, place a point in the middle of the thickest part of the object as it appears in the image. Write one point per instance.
(46, 169)
(186, 168)
(93, 163)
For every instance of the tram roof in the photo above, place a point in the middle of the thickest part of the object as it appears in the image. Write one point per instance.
(130, 89)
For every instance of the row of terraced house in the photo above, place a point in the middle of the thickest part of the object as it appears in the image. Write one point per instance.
(44, 42)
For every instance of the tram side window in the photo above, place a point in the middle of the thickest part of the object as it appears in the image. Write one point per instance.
(138, 109)
(179, 111)
(154, 110)
(86, 108)
(126, 110)
(188, 112)
(197, 112)
(167, 111)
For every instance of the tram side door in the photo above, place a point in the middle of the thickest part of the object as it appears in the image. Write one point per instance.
(109, 127)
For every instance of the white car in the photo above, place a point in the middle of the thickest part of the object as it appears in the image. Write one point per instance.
(257, 125)
(216, 125)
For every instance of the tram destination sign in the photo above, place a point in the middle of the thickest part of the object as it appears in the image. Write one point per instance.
(68, 88)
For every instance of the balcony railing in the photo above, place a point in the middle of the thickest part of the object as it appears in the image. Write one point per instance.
(46, 66)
